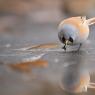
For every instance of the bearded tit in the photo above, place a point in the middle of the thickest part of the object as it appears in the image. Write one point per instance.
(74, 30)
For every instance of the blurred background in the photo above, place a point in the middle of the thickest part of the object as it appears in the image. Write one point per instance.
(47, 10)
(28, 22)
(23, 16)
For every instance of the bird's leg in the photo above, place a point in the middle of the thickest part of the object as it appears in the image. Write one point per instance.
(66, 42)
(79, 46)
(64, 47)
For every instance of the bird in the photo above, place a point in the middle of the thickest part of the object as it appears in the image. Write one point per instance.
(74, 30)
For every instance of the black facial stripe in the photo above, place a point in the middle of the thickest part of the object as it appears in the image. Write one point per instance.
(63, 39)
(71, 40)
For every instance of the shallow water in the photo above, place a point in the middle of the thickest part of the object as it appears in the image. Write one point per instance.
(42, 78)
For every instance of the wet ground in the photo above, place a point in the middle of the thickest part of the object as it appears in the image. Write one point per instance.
(18, 76)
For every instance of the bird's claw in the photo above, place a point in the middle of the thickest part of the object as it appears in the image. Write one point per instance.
(64, 47)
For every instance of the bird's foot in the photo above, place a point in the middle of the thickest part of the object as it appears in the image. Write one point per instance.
(64, 47)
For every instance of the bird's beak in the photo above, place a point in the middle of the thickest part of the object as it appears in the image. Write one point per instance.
(66, 42)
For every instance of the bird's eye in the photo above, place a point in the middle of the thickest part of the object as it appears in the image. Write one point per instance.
(63, 39)
(71, 40)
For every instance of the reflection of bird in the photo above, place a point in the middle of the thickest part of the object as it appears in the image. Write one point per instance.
(76, 76)
(74, 30)
(76, 82)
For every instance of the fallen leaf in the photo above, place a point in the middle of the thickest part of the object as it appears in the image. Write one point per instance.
(27, 66)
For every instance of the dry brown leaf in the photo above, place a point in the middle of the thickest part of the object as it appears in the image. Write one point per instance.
(27, 66)
(43, 46)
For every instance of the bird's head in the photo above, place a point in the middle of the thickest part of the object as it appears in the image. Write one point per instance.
(67, 34)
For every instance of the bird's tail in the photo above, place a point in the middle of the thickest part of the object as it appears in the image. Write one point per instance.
(91, 21)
